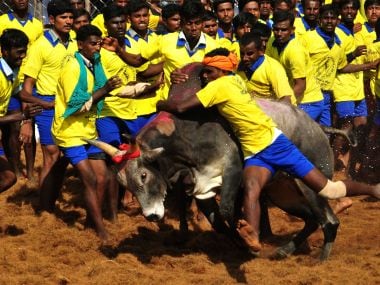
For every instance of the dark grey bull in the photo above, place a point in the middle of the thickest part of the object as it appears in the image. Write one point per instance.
(198, 151)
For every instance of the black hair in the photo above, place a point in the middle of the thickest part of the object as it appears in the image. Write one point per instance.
(13, 38)
(355, 4)
(288, 2)
(112, 11)
(136, 5)
(58, 7)
(209, 15)
(218, 51)
(243, 18)
(242, 3)
(280, 16)
(261, 30)
(328, 8)
(216, 3)
(170, 10)
(81, 12)
(249, 38)
(87, 31)
(303, 3)
(368, 3)
(192, 9)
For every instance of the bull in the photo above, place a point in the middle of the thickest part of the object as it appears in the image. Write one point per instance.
(197, 149)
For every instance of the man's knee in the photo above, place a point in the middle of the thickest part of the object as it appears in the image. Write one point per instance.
(333, 190)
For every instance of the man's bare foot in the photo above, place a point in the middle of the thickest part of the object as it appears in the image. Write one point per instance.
(342, 204)
(248, 235)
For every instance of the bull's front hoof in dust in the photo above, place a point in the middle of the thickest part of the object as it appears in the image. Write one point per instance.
(284, 251)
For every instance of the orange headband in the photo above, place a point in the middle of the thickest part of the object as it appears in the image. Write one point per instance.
(228, 63)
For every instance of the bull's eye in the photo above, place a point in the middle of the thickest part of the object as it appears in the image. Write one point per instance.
(143, 176)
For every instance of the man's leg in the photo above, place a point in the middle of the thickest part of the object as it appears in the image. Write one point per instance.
(92, 200)
(51, 176)
(7, 176)
(254, 179)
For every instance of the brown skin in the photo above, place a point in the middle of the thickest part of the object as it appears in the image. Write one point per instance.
(249, 54)
(255, 177)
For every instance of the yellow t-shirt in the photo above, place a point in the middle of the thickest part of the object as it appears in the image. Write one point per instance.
(9, 81)
(348, 86)
(115, 106)
(366, 37)
(325, 61)
(70, 131)
(45, 60)
(373, 52)
(32, 27)
(296, 61)
(175, 54)
(137, 45)
(268, 79)
(254, 129)
(301, 26)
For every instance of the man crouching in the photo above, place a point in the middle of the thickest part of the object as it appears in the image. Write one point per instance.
(81, 88)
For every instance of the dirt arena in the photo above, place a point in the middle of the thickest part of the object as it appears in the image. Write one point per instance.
(56, 249)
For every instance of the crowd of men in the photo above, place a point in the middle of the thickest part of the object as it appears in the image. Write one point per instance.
(77, 77)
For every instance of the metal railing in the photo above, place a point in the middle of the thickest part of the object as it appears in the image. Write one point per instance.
(38, 7)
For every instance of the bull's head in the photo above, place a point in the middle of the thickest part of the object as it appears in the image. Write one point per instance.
(137, 171)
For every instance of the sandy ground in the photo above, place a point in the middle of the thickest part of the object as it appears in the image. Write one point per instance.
(56, 249)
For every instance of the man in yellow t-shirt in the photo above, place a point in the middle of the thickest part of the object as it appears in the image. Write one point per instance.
(327, 55)
(265, 77)
(309, 20)
(286, 48)
(178, 49)
(42, 69)
(82, 85)
(265, 148)
(13, 49)
(19, 18)
(366, 36)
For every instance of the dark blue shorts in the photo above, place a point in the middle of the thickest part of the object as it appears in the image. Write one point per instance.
(76, 154)
(351, 109)
(111, 128)
(44, 122)
(14, 104)
(314, 109)
(283, 155)
(2, 152)
(325, 118)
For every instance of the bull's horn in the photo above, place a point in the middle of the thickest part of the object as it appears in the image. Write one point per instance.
(107, 148)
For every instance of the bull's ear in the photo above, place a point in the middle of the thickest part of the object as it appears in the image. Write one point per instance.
(152, 155)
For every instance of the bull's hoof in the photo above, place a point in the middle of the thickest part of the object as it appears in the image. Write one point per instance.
(326, 251)
(284, 251)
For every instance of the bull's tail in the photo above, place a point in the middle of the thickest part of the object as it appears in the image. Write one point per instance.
(349, 135)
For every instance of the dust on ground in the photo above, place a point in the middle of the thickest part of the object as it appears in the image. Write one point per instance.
(57, 249)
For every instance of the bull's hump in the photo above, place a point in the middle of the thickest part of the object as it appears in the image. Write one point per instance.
(163, 122)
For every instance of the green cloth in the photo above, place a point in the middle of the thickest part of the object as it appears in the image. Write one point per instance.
(80, 94)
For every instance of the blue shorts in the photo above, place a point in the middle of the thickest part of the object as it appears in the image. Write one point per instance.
(325, 118)
(283, 155)
(376, 119)
(76, 154)
(44, 121)
(314, 109)
(351, 109)
(111, 128)
(14, 104)
(2, 152)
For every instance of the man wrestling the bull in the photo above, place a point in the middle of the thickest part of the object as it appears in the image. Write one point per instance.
(265, 148)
